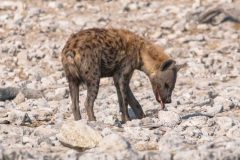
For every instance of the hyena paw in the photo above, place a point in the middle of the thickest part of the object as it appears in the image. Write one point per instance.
(125, 119)
(92, 118)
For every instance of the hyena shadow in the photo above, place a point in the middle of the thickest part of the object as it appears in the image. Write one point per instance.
(149, 113)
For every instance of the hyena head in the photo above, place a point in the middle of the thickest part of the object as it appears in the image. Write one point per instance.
(163, 81)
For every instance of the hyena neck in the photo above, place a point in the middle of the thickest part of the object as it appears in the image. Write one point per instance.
(151, 57)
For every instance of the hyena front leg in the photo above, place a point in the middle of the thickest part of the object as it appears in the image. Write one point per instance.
(136, 107)
(92, 91)
(74, 93)
(123, 83)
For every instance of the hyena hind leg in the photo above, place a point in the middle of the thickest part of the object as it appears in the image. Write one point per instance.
(92, 91)
(74, 93)
(119, 95)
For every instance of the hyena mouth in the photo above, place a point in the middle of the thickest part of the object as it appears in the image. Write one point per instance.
(158, 98)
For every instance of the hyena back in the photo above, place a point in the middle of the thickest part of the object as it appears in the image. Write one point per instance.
(94, 53)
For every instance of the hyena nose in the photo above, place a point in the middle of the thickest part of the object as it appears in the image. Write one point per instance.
(168, 100)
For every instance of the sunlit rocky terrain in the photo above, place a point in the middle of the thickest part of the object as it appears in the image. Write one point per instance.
(202, 122)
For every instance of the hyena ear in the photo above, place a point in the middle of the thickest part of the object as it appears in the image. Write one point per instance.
(180, 66)
(166, 64)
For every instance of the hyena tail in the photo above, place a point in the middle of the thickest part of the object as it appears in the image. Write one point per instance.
(71, 63)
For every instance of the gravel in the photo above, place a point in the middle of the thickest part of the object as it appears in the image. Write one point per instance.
(202, 122)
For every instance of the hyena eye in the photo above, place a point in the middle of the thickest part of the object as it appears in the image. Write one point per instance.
(166, 85)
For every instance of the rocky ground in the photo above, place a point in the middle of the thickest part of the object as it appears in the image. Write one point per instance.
(202, 122)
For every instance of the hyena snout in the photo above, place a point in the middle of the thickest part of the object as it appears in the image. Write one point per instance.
(168, 100)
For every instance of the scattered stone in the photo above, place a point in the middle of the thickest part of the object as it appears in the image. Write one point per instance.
(195, 120)
(228, 10)
(225, 103)
(168, 24)
(17, 117)
(146, 146)
(224, 122)
(114, 143)
(234, 132)
(134, 123)
(55, 5)
(156, 155)
(169, 118)
(19, 98)
(61, 93)
(26, 140)
(172, 142)
(212, 111)
(78, 134)
(10, 5)
(131, 6)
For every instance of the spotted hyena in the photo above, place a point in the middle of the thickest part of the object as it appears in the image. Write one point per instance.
(94, 53)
